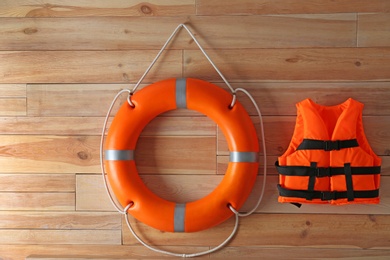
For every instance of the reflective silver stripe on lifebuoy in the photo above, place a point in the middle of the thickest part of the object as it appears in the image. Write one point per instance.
(178, 217)
(119, 155)
(243, 157)
(181, 97)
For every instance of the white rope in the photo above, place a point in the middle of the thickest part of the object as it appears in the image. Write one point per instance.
(184, 255)
(264, 158)
(164, 47)
(106, 185)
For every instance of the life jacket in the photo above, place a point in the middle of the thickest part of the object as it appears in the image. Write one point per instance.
(329, 159)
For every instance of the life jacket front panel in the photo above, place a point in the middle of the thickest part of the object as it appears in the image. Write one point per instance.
(329, 159)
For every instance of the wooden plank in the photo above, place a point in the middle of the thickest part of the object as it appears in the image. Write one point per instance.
(279, 253)
(95, 33)
(124, 66)
(55, 220)
(37, 182)
(50, 100)
(279, 98)
(37, 201)
(65, 257)
(373, 30)
(75, 8)
(91, 194)
(71, 154)
(12, 90)
(335, 30)
(276, 31)
(279, 130)
(13, 100)
(13, 106)
(249, 7)
(270, 204)
(96, 251)
(50, 237)
(49, 154)
(273, 98)
(164, 126)
(279, 230)
(86, 66)
(54, 99)
(183, 188)
(51, 125)
(355, 64)
(300, 253)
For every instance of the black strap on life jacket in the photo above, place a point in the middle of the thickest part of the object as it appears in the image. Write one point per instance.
(314, 172)
(348, 181)
(324, 171)
(326, 195)
(312, 144)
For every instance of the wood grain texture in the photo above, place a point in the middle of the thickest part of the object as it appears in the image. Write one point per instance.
(281, 230)
(64, 126)
(182, 188)
(12, 90)
(75, 8)
(13, 107)
(374, 30)
(62, 237)
(75, 126)
(292, 64)
(37, 182)
(301, 253)
(124, 33)
(251, 7)
(96, 251)
(59, 220)
(49, 154)
(250, 253)
(62, 63)
(176, 155)
(273, 98)
(86, 66)
(126, 66)
(37, 201)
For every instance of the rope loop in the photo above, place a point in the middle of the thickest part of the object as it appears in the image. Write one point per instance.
(127, 208)
(233, 100)
(129, 99)
(200, 48)
(106, 184)
(179, 254)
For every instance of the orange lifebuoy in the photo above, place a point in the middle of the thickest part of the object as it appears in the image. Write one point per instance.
(158, 98)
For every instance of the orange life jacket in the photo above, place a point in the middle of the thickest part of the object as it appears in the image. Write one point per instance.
(329, 159)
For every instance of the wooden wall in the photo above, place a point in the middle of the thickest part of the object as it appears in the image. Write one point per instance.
(62, 62)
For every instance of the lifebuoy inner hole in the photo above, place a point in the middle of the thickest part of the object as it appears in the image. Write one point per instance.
(178, 162)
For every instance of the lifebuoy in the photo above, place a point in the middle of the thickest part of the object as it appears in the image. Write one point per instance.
(158, 98)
